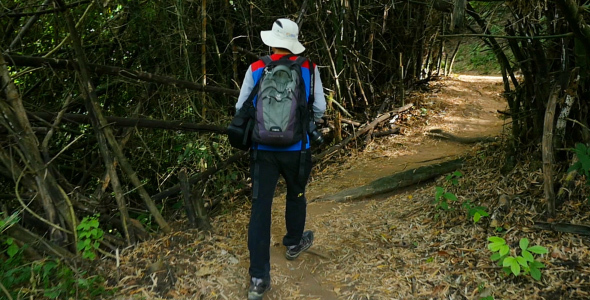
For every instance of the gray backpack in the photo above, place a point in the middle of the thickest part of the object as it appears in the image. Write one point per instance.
(282, 113)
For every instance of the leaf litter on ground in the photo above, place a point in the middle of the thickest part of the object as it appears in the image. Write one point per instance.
(389, 247)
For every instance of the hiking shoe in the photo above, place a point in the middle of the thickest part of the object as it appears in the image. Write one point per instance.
(306, 242)
(258, 287)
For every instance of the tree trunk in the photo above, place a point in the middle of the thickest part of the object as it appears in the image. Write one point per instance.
(458, 16)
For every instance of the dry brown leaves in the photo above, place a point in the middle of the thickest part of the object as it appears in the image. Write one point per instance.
(395, 247)
(392, 248)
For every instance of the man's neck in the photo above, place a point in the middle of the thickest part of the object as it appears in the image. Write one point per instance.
(280, 51)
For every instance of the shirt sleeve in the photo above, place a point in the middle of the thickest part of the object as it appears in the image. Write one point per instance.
(319, 104)
(246, 89)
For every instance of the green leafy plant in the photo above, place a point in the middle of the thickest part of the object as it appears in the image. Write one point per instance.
(475, 212)
(89, 236)
(454, 177)
(514, 264)
(582, 166)
(442, 198)
(46, 278)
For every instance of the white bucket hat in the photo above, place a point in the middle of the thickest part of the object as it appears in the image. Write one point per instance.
(284, 34)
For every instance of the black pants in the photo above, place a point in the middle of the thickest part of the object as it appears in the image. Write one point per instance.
(265, 168)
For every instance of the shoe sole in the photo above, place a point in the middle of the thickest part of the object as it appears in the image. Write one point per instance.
(256, 296)
(292, 257)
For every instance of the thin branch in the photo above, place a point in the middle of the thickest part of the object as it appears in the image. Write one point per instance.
(18, 60)
(539, 37)
(5, 291)
(43, 12)
(132, 122)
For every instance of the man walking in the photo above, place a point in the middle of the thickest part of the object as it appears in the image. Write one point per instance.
(267, 162)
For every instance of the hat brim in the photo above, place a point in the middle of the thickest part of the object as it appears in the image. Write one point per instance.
(271, 40)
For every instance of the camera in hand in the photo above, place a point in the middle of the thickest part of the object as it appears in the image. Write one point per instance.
(314, 135)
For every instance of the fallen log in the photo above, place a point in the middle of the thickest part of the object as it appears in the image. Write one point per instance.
(564, 227)
(440, 134)
(133, 122)
(394, 182)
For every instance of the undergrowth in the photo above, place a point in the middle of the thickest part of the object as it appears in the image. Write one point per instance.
(49, 278)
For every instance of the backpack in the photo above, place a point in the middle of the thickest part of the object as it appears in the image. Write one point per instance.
(281, 114)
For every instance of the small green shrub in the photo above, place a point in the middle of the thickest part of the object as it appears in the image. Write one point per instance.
(47, 278)
(454, 177)
(475, 212)
(514, 264)
(442, 198)
(89, 236)
(582, 166)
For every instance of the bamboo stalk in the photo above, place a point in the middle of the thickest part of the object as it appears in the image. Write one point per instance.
(14, 117)
(547, 146)
(204, 56)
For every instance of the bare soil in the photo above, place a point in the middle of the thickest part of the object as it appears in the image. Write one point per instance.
(393, 246)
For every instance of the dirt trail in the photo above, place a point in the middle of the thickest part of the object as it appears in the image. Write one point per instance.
(469, 109)
(469, 104)
(371, 249)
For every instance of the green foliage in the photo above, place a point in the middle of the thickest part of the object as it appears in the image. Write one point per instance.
(454, 177)
(442, 198)
(582, 166)
(475, 212)
(89, 236)
(45, 278)
(49, 278)
(6, 223)
(515, 264)
(476, 58)
(14, 272)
